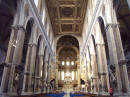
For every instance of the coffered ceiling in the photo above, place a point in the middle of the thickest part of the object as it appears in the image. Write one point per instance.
(67, 16)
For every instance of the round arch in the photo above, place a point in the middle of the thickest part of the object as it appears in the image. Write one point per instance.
(27, 20)
(67, 51)
(66, 35)
(104, 36)
(68, 39)
(27, 39)
(77, 51)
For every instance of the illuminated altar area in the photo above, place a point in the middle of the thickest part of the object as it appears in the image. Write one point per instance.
(68, 86)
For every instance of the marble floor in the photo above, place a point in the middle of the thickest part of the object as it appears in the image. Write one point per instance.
(67, 94)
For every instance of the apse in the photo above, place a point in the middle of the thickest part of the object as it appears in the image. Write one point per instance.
(67, 51)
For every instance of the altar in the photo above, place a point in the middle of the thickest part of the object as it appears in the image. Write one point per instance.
(68, 87)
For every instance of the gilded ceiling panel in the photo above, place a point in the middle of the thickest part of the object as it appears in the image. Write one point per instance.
(67, 16)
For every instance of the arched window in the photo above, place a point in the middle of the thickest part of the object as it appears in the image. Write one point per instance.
(63, 63)
(67, 63)
(72, 63)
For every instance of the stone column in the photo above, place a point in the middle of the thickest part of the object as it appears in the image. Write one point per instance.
(120, 56)
(40, 70)
(94, 76)
(78, 74)
(107, 83)
(101, 68)
(26, 70)
(9, 59)
(48, 78)
(120, 52)
(45, 69)
(29, 68)
(89, 71)
(113, 55)
(11, 47)
(57, 73)
(45, 76)
(37, 76)
(40, 63)
(57, 77)
(48, 75)
(32, 66)
(78, 71)
(88, 77)
(16, 57)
